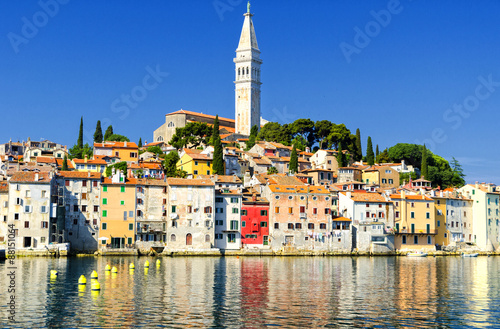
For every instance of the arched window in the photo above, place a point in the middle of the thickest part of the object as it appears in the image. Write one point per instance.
(207, 238)
(239, 71)
(189, 239)
(172, 237)
(159, 139)
(247, 70)
(171, 124)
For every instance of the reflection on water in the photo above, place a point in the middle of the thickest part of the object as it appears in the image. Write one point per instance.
(256, 292)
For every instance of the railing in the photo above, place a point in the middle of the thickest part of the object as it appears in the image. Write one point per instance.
(417, 231)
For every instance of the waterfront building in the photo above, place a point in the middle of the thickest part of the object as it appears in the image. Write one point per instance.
(372, 219)
(190, 214)
(151, 214)
(78, 208)
(485, 214)
(342, 234)
(232, 162)
(126, 151)
(228, 219)
(415, 224)
(453, 218)
(31, 211)
(4, 210)
(254, 222)
(195, 162)
(118, 204)
(299, 217)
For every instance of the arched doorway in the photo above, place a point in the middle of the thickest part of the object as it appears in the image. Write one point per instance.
(189, 239)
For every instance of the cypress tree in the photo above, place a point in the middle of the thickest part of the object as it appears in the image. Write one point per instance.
(294, 161)
(108, 133)
(218, 163)
(424, 167)
(65, 163)
(359, 153)
(253, 137)
(215, 131)
(377, 153)
(140, 142)
(341, 158)
(98, 133)
(79, 143)
(370, 156)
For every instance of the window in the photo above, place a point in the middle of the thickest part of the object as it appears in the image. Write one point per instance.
(27, 209)
(243, 212)
(104, 213)
(122, 202)
(429, 239)
(276, 210)
(235, 210)
(130, 227)
(131, 213)
(84, 183)
(129, 240)
(122, 189)
(412, 215)
(415, 239)
(234, 225)
(219, 200)
(403, 239)
(367, 214)
(218, 236)
(315, 211)
(276, 226)
(45, 224)
(174, 209)
(290, 197)
(208, 210)
(302, 209)
(397, 214)
(207, 238)
(243, 224)
(66, 183)
(262, 224)
(104, 226)
(43, 209)
(234, 200)
(428, 205)
(412, 228)
(26, 224)
(105, 189)
(174, 223)
(219, 210)
(310, 226)
(84, 208)
(322, 226)
(277, 197)
(195, 172)
(231, 238)
(290, 210)
(427, 215)
(298, 226)
(413, 204)
(94, 183)
(438, 223)
(16, 216)
(367, 205)
(104, 201)
(397, 204)
(391, 181)
(290, 226)
(19, 201)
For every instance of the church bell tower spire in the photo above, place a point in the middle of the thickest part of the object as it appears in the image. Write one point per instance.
(247, 83)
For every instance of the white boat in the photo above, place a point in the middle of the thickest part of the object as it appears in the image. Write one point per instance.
(416, 254)
(470, 255)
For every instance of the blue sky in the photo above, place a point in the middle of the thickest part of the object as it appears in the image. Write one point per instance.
(419, 71)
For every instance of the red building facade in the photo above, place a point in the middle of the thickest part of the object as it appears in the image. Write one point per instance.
(255, 222)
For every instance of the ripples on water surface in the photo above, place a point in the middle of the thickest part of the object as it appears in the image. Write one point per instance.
(257, 292)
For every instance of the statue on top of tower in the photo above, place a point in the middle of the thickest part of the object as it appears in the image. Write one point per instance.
(248, 7)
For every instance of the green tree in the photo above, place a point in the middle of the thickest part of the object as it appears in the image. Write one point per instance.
(458, 179)
(140, 142)
(215, 131)
(339, 134)
(65, 163)
(272, 170)
(118, 166)
(108, 133)
(304, 128)
(384, 157)
(341, 158)
(370, 156)
(294, 161)
(170, 164)
(154, 149)
(377, 153)
(80, 135)
(424, 169)
(323, 129)
(98, 138)
(300, 143)
(274, 132)
(193, 135)
(404, 178)
(410, 153)
(359, 151)
(117, 138)
(218, 162)
(252, 138)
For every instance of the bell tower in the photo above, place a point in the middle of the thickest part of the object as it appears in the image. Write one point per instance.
(247, 83)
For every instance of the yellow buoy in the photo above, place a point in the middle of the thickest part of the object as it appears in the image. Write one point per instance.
(158, 262)
(114, 270)
(82, 280)
(107, 268)
(53, 273)
(95, 286)
(146, 264)
(131, 266)
(93, 275)
(146, 270)
(81, 290)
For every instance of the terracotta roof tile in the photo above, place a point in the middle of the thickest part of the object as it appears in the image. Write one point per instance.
(130, 145)
(411, 197)
(29, 177)
(367, 197)
(189, 182)
(201, 115)
(4, 186)
(80, 174)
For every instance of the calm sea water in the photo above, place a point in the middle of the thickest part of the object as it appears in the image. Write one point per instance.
(257, 292)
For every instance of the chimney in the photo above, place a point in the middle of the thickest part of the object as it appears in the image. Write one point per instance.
(490, 188)
(88, 175)
(254, 197)
(86, 158)
(125, 144)
(403, 194)
(348, 194)
(36, 177)
(129, 173)
(308, 149)
(477, 184)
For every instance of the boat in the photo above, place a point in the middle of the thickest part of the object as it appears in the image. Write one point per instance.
(470, 255)
(416, 254)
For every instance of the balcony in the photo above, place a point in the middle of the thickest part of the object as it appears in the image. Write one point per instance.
(417, 231)
(303, 215)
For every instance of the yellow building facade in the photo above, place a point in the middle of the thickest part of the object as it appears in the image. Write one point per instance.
(414, 218)
(118, 206)
(195, 164)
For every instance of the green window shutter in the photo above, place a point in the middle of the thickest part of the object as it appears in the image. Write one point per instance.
(104, 226)
(122, 189)
(105, 201)
(105, 189)
(130, 227)
(104, 213)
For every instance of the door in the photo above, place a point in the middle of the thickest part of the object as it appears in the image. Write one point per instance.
(27, 242)
(189, 239)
